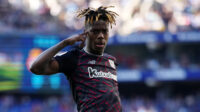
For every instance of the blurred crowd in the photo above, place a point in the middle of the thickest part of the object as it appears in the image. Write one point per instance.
(161, 103)
(163, 56)
(59, 16)
(16, 18)
(154, 63)
(28, 103)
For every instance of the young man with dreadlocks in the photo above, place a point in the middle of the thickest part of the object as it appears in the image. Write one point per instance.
(91, 72)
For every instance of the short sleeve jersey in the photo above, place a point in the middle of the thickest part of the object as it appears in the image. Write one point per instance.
(93, 80)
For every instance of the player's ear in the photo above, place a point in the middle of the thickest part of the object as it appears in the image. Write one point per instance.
(86, 31)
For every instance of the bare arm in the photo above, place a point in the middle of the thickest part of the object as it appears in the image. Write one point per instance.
(45, 64)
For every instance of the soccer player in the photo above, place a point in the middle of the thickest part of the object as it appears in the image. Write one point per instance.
(91, 72)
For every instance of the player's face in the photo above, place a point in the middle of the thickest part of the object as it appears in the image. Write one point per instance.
(97, 37)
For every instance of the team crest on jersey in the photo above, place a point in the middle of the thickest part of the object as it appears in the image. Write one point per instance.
(112, 64)
(92, 62)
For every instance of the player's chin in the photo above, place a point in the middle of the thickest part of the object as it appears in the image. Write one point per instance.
(99, 49)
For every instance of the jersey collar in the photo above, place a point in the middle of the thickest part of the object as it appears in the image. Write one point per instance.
(91, 53)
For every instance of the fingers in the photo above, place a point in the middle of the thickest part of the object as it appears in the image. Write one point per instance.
(84, 35)
(83, 38)
(77, 39)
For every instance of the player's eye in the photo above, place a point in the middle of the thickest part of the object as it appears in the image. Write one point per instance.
(98, 31)
(105, 31)
(95, 31)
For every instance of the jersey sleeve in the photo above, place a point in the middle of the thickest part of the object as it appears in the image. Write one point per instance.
(67, 61)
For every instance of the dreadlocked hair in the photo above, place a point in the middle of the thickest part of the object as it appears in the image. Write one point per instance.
(92, 15)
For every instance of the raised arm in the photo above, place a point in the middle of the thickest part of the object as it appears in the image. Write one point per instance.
(45, 64)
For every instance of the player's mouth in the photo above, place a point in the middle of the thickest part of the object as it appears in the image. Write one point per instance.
(100, 45)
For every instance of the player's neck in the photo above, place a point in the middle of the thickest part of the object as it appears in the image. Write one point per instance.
(86, 50)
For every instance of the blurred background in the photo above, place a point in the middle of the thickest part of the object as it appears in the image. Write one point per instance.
(156, 43)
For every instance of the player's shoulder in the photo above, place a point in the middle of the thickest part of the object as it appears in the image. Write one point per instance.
(75, 50)
(109, 56)
(71, 52)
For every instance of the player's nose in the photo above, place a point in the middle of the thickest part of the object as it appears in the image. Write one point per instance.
(100, 35)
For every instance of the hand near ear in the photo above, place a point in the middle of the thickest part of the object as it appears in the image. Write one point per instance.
(76, 38)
